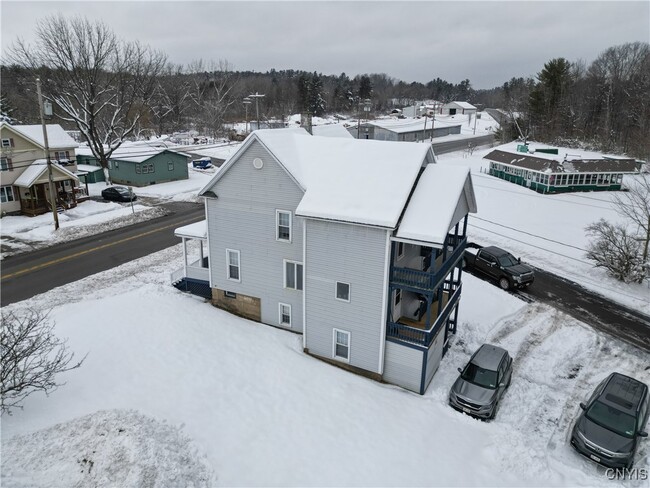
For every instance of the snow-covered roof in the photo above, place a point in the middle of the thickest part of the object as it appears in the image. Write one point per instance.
(57, 138)
(137, 154)
(404, 125)
(331, 130)
(465, 105)
(554, 163)
(350, 180)
(197, 230)
(88, 168)
(37, 173)
(441, 198)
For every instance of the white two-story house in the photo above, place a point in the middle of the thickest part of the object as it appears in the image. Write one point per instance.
(355, 244)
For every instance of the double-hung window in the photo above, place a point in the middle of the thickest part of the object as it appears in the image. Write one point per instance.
(232, 263)
(5, 164)
(285, 314)
(293, 275)
(283, 225)
(341, 345)
(6, 194)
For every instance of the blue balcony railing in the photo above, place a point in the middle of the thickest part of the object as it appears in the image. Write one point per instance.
(423, 337)
(428, 281)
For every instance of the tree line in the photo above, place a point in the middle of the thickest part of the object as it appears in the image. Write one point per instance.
(110, 89)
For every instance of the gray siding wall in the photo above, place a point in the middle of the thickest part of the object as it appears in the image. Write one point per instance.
(351, 254)
(403, 366)
(434, 356)
(243, 217)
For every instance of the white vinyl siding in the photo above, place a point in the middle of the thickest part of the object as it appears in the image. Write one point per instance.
(283, 225)
(232, 265)
(341, 345)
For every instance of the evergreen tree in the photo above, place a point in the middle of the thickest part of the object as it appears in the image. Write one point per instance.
(316, 104)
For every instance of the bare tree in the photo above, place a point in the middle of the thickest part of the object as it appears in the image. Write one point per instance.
(31, 356)
(101, 83)
(634, 204)
(616, 250)
(213, 92)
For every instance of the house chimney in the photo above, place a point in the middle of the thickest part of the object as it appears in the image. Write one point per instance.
(305, 122)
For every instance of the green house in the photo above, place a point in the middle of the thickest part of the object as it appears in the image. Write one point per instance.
(141, 166)
(546, 175)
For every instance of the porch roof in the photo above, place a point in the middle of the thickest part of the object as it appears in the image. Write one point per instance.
(197, 230)
(441, 199)
(37, 173)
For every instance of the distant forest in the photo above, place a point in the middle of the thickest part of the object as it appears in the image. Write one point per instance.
(604, 104)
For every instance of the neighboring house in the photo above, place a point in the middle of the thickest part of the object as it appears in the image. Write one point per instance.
(357, 245)
(141, 166)
(23, 173)
(548, 173)
(454, 108)
(409, 130)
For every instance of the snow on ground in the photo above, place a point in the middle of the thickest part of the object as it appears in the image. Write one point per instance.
(261, 412)
(548, 231)
(21, 233)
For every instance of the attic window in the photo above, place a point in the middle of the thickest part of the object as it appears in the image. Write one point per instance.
(7, 143)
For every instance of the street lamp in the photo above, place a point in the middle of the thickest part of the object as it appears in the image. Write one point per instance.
(246, 102)
(257, 96)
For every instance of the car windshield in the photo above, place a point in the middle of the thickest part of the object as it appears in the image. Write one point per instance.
(507, 260)
(612, 419)
(122, 191)
(480, 376)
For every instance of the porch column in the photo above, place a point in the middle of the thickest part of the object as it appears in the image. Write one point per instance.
(201, 251)
(184, 256)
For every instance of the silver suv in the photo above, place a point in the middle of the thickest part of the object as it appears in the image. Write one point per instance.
(482, 382)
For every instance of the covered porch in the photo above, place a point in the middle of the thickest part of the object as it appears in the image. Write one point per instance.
(34, 189)
(194, 276)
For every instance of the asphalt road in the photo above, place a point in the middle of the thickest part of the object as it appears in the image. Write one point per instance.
(460, 144)
(589, 307)
(35, 272)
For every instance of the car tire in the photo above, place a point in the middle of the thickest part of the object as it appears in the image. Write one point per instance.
(504, 283)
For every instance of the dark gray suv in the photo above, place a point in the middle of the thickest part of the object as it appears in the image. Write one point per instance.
(482, 382)
(612, 421)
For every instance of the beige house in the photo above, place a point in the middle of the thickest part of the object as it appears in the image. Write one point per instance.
(24, 178)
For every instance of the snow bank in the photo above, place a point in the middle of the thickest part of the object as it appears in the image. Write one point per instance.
(104, 449)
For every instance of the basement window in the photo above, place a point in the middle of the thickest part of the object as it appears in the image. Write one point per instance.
(229, 294)
(341, 345)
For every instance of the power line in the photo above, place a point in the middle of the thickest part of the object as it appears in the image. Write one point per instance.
(587, 280)
(529, 233)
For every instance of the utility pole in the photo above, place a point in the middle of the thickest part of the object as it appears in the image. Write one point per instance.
(247, 102)
(257, 96)
(47, 157)
(475, 117)
(433, 119)
(424, 129)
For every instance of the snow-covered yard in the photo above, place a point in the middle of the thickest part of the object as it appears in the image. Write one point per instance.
(164, 366)
(22, 233)
(547, 231)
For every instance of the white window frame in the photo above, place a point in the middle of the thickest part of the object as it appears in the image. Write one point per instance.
(4, 164)
(5, 192)
(334, 344)
(277, 225)
(336, 291)
(284, 274)
(398, 297)
(238, 254)
(280, 321)
(6, 142)
(400, 249)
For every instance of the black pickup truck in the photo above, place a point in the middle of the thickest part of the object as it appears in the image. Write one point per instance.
(500, 265)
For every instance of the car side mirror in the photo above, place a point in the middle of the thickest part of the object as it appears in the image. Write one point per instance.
(583, 406)
(460, 370)
(643, 434)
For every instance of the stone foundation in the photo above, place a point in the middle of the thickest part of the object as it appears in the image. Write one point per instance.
(242, 305)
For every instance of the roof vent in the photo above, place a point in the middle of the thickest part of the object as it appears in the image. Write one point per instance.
(258, 163)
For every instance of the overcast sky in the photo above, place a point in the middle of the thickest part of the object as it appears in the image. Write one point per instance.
(487, 42)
